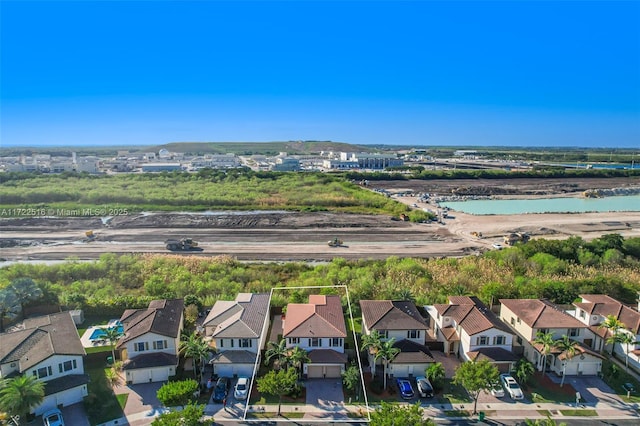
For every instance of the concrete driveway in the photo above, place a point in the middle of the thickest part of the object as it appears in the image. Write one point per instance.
(325, 394)
(142, 398)
(593, 389)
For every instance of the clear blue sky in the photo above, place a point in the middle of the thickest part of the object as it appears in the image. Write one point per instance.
(539, 73)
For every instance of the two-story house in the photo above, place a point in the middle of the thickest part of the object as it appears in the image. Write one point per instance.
(237, 331)
(151, 341)
(468, 329)
(401, 321)
(319, 328)
(527, 317)
(49, 349)
(593, 309)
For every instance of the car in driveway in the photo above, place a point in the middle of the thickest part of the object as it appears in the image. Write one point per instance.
(406, 390)
(241, 391)
(511, 386)
(496, 390)
(221, 390)
(53, 418)
(425, 390)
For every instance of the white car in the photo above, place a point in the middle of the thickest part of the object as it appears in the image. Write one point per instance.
(496, 390)
(511, 386)
(242, 388)
(53, 418)
(497, 246)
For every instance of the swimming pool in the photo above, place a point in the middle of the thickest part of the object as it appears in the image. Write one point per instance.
(99, 333)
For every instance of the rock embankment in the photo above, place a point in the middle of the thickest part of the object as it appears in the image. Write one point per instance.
(599, 193)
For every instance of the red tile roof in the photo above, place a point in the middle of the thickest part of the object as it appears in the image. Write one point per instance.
(321, 317)
(603, 305)
(471, 314)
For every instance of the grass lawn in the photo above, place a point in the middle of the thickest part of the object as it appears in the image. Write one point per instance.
(541, 389)
(617, 377)
(453, 394)
(102, 405)
(579, 413)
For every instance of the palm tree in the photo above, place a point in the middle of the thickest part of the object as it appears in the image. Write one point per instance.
(612, 324)
(296, 357)
(25, 290)
(193, 346)
(372, 342)
(278, 350)
(626, 339)
(9, 306)
(546, 342)
(435, 373)
(524, 370)
(387, 352)
(405, 294)
(19, 395)
(569, 348)
(112, 334)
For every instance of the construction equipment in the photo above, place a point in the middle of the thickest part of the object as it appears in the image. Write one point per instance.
(89, 236)
(181, 245)
(476, 234)
(516, 237)
(336, 242)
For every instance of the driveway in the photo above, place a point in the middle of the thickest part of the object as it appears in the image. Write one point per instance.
(449, 362)
(142, 398)
(75, 415)
(325, 394)
(593, 389)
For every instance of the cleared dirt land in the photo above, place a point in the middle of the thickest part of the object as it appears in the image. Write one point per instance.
(283, 236)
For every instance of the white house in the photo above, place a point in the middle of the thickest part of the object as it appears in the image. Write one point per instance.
(318, 327)
(472, 332)
(237, 331)
(48, 348)
(527, 317)
(151, 341)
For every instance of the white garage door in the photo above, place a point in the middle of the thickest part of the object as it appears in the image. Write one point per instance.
(588, 368)
(71, 396)
(233, 370)
(314, 372)
(323, 371)
(148, 375)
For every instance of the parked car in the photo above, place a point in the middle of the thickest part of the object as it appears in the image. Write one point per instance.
(425, 390)
(496, 390)
(511, 386)
(241, 390)
(53, 418)
(406, 390)
(221, 390)
(497, 246)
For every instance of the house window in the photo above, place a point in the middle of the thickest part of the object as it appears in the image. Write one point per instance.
(141, 346)
(67, 365)
(483, 340)
(413, 334)
(245, 343)
(499, 340)
(513, 321)
(231, 340)
(160, 344)
(335, 341)
(384, 334)
(222, 343)
(574, 332)
(518, 320)
(519, 340)
(43, 372)
(543, 330)
(294, 340)
(315, 342)
(582, 314)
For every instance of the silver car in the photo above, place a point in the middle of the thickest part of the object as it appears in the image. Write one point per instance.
(241, 390)
(511, 386)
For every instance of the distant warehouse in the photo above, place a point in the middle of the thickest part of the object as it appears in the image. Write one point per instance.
(161, 167)
(360, 160)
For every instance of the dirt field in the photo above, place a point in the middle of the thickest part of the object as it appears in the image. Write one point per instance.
(283, 236)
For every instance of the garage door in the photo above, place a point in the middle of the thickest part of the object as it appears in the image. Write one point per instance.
(146, 376)
(314, 372)
(71, 396)
(323, 371)
(233, 370)
(588, 368)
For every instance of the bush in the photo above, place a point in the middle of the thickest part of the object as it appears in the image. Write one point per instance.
(177, 393)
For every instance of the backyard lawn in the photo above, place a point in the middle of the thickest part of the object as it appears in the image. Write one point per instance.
(102, 404)
(453, 394)
(616, 377)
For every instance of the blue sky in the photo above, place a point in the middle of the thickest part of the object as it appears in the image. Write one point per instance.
(515, 73)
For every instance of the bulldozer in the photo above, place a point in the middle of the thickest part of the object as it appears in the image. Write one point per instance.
(181, 245)
(516, 237)
(89, 236)
(336, 242)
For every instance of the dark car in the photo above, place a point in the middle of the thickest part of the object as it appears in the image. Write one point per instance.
(424, 387)
(221, 390)
(406, 390)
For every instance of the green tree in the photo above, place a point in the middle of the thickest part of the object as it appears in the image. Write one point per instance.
(277, 351)
(612, 324)
(524, 370)
(112, 334)
(190, 415)
(371, 343)
(387, 352)
(296, 357)
(476, 377)
(26, 290)
(193, 346)
(278, 383)
(9, 306)
(18, 396)
(435, 373)
(568, 348)
(546, 343)
(179, 393)
(351, 379)
(393, 415)
(626, 339)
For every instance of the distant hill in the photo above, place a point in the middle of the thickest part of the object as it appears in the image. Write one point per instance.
(268, 148)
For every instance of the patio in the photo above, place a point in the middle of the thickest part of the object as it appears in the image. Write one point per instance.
(94, 336)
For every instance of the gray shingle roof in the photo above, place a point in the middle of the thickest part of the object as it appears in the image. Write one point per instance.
(163, 317)
(242, 319)
(391, 315)
(154, 359)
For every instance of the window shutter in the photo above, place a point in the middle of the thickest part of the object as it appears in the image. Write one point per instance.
(59, 368)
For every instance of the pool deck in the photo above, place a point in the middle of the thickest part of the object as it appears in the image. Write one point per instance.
(93, 343)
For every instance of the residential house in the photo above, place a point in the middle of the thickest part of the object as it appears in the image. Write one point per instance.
(468, 329)
(49, 349)
(593, 309)
(237, 331)
(401, 321)
(151, 341)
(318, 327)
(527, 317)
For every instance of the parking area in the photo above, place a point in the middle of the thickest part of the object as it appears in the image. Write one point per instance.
(324, 393)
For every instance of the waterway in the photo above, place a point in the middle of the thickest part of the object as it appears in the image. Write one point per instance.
(628, 203)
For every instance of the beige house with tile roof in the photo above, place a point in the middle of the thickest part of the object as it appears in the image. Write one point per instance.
(527, 317)
(237, 330)
(319, 328)
(593, 309)
(150, 345)
(49, 349)
(469, 330)
(401, 321)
